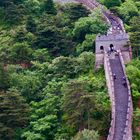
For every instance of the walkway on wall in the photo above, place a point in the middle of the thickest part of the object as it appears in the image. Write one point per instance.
(121, 98)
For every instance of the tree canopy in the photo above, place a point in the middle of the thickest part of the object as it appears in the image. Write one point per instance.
(48, 87)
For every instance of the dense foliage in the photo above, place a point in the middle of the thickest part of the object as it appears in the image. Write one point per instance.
(46, 72)
(48, 89)
(14, 113)
(133, 71)
(87, 135)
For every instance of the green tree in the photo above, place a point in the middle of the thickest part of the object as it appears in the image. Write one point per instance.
(5, 54)
(31, 25)
(127, 10)
(135, 35)
(29, 83)
(49, 7)
(44, 119)
(4, 78)
(112, 3)
(82, 104)
(87, 45)
(41, 55)
(136, 123)
(78, 105)
(5, 3)
(21, 53)
(87, 135)
(86, 61)
(23, 36)
(54, 39)
(33, 6)
(76, 11)
(13, 13)
(89, 25)
(13, 114)
(134, 76)
(65, 66)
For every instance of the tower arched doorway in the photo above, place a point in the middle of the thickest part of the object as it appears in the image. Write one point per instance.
(101, 48)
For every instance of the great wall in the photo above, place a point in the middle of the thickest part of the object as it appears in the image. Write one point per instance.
(114, 63)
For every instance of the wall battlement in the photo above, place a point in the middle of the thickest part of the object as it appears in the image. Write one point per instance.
(110, 37)
(118, 41)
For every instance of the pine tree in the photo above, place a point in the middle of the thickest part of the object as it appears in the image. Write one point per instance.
(13, 114)
(14, 13)
(49, 7)
(77, 11)
(31, 25)
(112, 3)
(5, 3)
(135, 35)
(87, 135)
(4, 78)
(44, 118)
(78, 105)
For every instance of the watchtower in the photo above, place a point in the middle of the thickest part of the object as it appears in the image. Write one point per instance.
(115, 41)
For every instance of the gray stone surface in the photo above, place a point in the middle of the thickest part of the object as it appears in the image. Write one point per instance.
(118, 41)
(121, 98)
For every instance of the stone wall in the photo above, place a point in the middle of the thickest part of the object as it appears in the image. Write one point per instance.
(110, 84)
(64, 1)
(118, 41)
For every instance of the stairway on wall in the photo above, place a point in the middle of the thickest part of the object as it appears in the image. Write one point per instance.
(121, 98)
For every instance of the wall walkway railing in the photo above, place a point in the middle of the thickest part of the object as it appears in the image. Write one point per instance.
(110, 37)
(110, 85)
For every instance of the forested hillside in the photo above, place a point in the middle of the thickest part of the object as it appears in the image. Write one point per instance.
(48, 87)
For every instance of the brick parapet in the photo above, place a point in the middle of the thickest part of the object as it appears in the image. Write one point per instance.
(116, 37)
(128, 129)
(110, 85)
